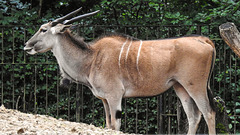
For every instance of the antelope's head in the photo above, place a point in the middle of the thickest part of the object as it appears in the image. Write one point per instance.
(46, 37)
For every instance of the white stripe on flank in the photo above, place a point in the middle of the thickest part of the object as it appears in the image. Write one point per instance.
(120, 55)
(139, 50)
(128, 50)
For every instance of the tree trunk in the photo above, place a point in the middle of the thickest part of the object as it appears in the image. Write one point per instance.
(231, 36)
(221, 119)
(40, 9)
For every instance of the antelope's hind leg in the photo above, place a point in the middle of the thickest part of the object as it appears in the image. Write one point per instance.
(199, 93)
(190, 108)
(203, 103)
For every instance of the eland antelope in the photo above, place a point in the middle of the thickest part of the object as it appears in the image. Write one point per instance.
(118, 66)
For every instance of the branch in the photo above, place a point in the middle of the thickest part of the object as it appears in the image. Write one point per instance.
(115, 15)
(231, 36)
(139, 9)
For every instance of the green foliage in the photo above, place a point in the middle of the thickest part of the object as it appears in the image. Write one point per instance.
(15, 12)
(221, 128)
(178, 12)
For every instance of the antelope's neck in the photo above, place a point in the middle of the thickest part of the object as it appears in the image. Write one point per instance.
(73, 62)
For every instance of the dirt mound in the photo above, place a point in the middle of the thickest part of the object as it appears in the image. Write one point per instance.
(15, 122)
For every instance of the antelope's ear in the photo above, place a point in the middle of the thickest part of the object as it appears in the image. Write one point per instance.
(60, 28)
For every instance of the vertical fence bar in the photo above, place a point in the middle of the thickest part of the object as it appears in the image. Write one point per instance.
(160, 114)
(24, 92)
(93, 108)
(168, 34)
(169, 112)
(230, 71)
(164, 107)
(125, 115)
(230, 81)
(2, 46)
(57, 93)
(82, 103)
(224, 72)
(2, 85)
(24, 40)
(170, 101)
(2, 67)
(234, 95)
(199, 29)
(69, 104)
(24, 79)
(35, 89)
(147, 116)
(78, 95)
(136, 118)
(46, 90)
(12, 66)
(13, 46)
(219, 83)
(13, 89)
(169, 124)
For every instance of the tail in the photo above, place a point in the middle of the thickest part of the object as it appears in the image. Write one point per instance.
(209, 92)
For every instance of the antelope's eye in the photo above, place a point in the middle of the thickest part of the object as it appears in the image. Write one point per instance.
(43, 30)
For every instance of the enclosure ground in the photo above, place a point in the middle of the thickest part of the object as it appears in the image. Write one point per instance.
(15, 122)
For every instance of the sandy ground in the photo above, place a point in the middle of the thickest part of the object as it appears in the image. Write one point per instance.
(15, 122)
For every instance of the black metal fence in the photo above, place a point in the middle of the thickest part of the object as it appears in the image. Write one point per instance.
(31, 83)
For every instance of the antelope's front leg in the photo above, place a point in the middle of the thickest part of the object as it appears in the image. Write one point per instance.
(116, 112)
(107, 113)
